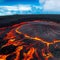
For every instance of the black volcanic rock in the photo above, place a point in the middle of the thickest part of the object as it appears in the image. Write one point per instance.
(13, 19)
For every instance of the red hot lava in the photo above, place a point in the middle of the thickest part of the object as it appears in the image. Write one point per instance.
(30, 41)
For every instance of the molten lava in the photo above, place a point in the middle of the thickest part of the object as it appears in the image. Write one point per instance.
(30, 41)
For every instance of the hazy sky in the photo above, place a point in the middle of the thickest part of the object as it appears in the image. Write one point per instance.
(10, 7)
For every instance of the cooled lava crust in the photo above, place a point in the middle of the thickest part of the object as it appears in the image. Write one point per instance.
(32, 40)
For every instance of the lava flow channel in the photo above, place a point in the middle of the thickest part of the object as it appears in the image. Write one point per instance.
(34, 40)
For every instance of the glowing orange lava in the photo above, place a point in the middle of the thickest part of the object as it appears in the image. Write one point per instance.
(24, 50)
